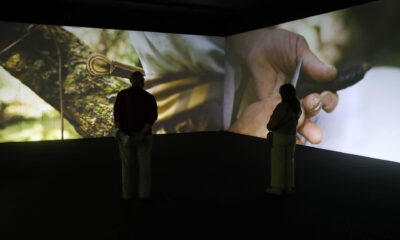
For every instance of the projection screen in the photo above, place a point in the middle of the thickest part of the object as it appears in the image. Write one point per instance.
(49, 73)
(357, 113)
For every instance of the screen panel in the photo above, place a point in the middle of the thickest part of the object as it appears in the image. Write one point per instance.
(49, 73)
(363, 117)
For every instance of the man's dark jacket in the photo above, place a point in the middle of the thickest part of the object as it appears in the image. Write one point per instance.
(133, 108)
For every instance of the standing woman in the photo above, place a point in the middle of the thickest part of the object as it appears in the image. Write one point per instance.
(283, 123)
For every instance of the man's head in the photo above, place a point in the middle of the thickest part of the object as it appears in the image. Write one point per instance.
(137, 79)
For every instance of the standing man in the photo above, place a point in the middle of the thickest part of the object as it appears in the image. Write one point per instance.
(135, 111)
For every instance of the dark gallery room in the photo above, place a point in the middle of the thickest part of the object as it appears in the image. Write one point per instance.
(214, 69)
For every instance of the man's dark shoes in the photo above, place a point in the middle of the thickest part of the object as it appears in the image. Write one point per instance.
(127, 202)
(145, 201)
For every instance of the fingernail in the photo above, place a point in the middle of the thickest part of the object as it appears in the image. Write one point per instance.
(317, 108)
(316, 104)
(326, 100)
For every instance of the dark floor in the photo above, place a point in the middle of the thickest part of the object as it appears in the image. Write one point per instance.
(203, 184)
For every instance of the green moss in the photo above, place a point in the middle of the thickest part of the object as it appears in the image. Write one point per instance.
(13, 61)
(38, 64)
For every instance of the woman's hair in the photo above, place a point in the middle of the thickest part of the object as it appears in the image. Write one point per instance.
(288, 94)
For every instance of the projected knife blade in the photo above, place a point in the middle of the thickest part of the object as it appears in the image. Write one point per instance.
(99, 65)
(297, 73)
(345, 78)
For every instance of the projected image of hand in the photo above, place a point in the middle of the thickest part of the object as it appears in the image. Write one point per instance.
(272, 56)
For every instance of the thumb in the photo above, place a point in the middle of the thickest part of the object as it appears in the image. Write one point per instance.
(317, 70)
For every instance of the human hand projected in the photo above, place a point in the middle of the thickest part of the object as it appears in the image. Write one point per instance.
(272, 57)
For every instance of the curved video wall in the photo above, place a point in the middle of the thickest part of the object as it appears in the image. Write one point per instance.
(59, 82)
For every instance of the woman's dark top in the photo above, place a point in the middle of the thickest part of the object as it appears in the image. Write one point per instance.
(284, 119)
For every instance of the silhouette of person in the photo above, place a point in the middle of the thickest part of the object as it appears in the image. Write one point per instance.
(135, 111)
(283, 123)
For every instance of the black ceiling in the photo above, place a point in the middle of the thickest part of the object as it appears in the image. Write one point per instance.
(206, 17)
